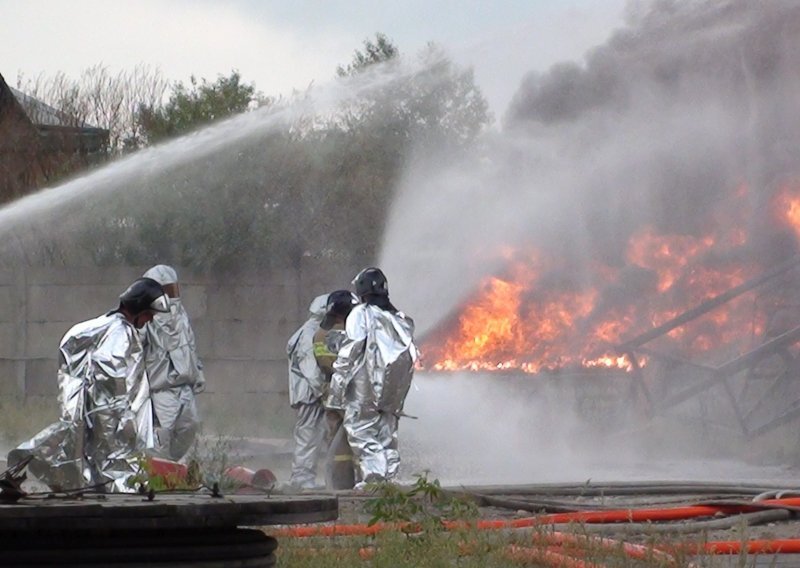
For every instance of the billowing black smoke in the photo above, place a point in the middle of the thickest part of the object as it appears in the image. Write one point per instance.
(706, 89)
(687, 112)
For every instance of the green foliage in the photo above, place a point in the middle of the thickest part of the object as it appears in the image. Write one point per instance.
(470, 547)
(197, 104)
(397, 550)
(284, 186)
(208, 460)
(146, 478)
(425, 502)
(433, 103)
(213, 456)
(379, 51)
(391, 503)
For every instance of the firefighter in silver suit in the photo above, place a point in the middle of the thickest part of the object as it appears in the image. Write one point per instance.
(106, 416)
(328, 341)
(174, 370)
(372, 376)
(307, 385)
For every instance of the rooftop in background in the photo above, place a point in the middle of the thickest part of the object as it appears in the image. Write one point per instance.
(50, 121)
(39, 144)
(41, 113)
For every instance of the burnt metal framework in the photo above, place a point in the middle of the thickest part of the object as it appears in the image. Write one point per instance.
(750, 417)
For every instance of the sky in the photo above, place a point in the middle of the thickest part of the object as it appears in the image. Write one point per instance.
(286, 45)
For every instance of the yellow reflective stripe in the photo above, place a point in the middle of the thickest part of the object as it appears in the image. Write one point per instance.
(321, 350)
(342, 458)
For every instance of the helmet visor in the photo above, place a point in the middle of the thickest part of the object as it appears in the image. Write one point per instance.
(160, 304)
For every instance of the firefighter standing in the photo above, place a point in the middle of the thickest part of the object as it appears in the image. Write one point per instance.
(307, 386)
(372, 376)
(173, 369)
(327, 342)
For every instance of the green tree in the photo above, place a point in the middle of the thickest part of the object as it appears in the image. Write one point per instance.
(430, 101)
(379, 51)
(197, 104)
(307, 185)
(429, 105)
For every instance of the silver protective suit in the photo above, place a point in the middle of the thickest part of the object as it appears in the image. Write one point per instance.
(176, 374)
(371, 379)
(306, 387)
(106, 416)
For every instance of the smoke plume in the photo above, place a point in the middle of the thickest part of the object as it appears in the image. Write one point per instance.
(656, 129)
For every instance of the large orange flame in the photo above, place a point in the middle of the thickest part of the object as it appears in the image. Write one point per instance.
(517, 322)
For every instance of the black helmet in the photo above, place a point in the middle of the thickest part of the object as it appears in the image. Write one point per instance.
(144, 294)
(340, 303)
(371, 281)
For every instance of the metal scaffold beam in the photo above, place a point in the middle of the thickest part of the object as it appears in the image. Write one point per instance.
(712, 376)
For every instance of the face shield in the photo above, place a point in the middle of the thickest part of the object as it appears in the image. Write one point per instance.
(160, 304)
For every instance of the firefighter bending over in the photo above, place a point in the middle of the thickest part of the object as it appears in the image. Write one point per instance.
(106, 416)
(371, 377)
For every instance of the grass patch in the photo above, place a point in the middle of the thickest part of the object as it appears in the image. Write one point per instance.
(22, 418)
(467, 548)
(419, 538)
(397, 549)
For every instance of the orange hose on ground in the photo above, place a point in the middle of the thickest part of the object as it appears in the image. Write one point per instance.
(552, 556)
(338, 530)
(785, 546)
(528, 555)
(614, 516)
(365, 552)
(636, 551)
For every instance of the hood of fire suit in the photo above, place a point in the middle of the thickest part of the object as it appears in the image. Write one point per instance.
(306, 380)
(170, 350)
(318, 306)
(378, 355)
(103, 387)
(162, 274)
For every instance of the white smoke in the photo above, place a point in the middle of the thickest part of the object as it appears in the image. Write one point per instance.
(656, 127)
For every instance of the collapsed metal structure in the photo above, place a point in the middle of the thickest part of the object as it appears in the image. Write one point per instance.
(776, 403)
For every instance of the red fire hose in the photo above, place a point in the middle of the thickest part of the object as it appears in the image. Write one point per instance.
(615, 516)
(262, 479)
(549, 558)
(786, 546)
(563, 550)
(636, 551)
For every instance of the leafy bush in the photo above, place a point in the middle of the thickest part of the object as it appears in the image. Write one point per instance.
(425, 502)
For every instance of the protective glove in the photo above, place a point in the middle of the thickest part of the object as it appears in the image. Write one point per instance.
(200, 384)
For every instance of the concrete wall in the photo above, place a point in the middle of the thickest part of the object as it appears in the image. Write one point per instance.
(242, 322)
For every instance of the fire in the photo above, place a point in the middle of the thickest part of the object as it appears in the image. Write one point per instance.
(532, 318)
(786, 207)
(667, 255)
(620, 362)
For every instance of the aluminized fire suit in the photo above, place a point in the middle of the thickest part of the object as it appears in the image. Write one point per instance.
(176, 374)
(106, 416)
(371, 378)
(307, 385)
